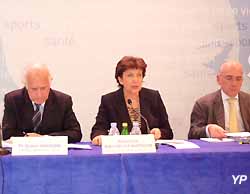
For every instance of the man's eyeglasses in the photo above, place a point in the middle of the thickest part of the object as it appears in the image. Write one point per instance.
(232, 78)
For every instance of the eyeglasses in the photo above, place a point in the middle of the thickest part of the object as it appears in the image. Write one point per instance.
(233, 78)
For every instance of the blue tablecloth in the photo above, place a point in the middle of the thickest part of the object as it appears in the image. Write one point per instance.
(208, 170)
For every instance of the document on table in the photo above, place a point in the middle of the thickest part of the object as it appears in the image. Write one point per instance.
(216, 140)
(79, 146)
(178, 144)
(240, 134)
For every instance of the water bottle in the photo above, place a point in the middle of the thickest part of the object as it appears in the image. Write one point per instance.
(136, 129)
(113, 129)
(124, 129)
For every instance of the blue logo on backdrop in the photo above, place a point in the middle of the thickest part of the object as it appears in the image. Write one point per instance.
(241, 12)
(220, 58)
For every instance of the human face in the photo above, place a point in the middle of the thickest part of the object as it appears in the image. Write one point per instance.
(230, 79)
(131, 81)
(38, 86)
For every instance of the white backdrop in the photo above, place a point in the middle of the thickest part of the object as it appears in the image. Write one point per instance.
(183, 44)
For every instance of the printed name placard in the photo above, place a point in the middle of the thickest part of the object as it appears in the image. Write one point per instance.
(119, 144)
(45, 145)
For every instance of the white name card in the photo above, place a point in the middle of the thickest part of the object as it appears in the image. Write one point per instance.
(119, 144)
(45, 145)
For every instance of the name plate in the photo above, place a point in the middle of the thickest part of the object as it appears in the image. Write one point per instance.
(46, 145)
(119, 144)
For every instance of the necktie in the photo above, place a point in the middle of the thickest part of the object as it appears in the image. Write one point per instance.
(37, 117)
(233, 124)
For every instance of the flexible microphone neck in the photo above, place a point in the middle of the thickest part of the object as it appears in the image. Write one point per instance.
(138, 112)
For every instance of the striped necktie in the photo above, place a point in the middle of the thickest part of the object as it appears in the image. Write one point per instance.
(233, 123)
(37, 117)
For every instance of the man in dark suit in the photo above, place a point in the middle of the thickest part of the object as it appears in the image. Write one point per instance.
(211, 113)
(53, 109)
(147, 103)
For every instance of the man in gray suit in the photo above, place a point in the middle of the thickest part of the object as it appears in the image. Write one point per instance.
(210, 115)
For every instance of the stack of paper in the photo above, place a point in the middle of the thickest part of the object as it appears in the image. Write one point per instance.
(79, 146)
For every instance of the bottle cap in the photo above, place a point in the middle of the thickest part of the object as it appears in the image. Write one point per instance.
(124, 124)
(113, 124)
(135, 124)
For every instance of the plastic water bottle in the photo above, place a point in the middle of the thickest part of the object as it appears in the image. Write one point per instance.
(136, 129)
(113, 129)
(124, 129)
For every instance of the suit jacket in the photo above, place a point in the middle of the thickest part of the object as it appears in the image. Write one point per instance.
(209, 109)
(58, 117)
(113, 109)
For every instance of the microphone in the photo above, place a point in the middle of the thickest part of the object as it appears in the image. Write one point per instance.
(145, 120)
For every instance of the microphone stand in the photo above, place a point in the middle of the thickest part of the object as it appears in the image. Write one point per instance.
(3, 151)
(145, 120)
(137, 112)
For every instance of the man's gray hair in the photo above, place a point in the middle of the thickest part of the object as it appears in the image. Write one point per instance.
(36, 67)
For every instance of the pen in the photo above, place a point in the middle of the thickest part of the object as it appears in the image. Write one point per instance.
(242, 142)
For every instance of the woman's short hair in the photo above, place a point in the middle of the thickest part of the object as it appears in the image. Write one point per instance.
(129, 62)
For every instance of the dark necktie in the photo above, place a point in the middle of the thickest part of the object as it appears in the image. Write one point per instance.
(37, 117)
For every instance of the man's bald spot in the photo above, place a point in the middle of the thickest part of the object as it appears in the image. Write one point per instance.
(230, 65)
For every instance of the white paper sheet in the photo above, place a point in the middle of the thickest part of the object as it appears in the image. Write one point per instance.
(178, 144)
(79, 146)
(216, 140)
(240, 134)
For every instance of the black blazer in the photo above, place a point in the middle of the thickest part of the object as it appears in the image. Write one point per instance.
(113, 109)
(58, 116)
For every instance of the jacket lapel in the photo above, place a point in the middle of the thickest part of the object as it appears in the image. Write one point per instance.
(243, 110)
(121, 108)
(144, 106)
(219, 110)
(49, 108)
(27, 110)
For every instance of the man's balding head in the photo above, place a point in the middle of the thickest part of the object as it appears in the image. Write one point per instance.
(230, 78)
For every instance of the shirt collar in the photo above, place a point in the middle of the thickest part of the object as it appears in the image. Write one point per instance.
(41, 105)
(225, 97)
